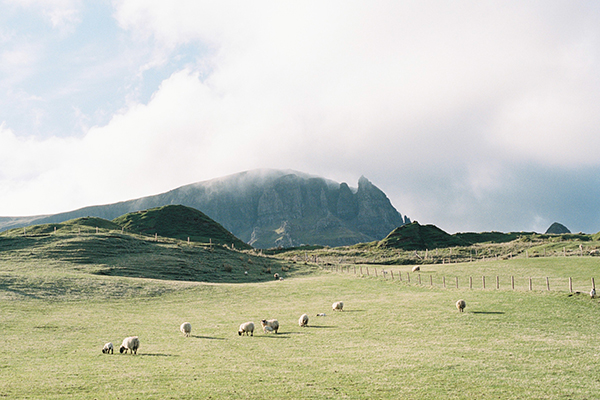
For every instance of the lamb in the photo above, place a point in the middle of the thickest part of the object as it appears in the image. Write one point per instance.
(271, 325)
(461, 304)
(338, 305)
(593, 293)
(130, 343)
(108, 348)
(246, 327)
(303, 321)
(416, 268)
(186, 328)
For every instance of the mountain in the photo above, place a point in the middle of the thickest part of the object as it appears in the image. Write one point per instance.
(415, 236)
(557, 228)
(269, 208)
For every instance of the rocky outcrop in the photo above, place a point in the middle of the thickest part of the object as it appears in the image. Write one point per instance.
(557, 229)
(270, 208)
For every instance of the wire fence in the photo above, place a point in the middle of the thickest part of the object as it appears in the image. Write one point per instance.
(483, 282)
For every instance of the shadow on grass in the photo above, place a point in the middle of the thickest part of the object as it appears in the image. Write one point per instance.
(487, 312)
(207, 337)
(154, 355)
(274, 335)
(321, 326)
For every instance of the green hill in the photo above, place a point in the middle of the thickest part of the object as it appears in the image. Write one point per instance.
(179, 222)
(415, 236)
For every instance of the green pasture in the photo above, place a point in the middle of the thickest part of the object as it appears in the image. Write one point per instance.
(393, 340)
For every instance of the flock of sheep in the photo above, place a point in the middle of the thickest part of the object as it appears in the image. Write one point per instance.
(132, 343)
(272, 325)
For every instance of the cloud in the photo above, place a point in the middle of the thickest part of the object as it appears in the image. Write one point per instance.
(462, 112)
(62, 15)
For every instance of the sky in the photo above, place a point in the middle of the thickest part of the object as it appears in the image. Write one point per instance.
(470, 115)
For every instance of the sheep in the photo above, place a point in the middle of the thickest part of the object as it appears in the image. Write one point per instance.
(276, 276)
(186, 328)
(271, 325)
(246, 327)
(461, 304)
(416, 268)
(130, 343)
(593, 293)
(338, 305)
(108, 348)
(303, 321)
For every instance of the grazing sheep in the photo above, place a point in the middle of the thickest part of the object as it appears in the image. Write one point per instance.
(338, 305)
(321, 314)
(130, 343)
(593, 293)
(303, 321)
(416, 268)
(108, 348)
(245, 328)
(276, 276)
(461, 304)
(271, 325)
(186, 328)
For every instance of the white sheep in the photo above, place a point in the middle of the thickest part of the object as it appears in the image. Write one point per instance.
(271, 325)
(338, 305)
(130, 343)
(416, 268)
(108, 348)
(303, 320)
(461, 304)
(245, 328)
(593, 293)
(186, 328)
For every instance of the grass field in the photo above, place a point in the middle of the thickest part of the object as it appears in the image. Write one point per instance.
(393, 339)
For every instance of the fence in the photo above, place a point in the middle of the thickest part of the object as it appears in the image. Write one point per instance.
(496, 282)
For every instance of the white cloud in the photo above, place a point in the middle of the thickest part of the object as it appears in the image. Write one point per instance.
(437, 101)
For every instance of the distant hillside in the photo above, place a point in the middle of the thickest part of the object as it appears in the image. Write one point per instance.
(178, 222)
(414, 236)
(270, 208)
(557, 229)
(100, 247)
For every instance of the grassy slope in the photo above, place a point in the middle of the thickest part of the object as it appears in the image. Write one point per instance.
(392, 341)
(179, 222)
(113, 253)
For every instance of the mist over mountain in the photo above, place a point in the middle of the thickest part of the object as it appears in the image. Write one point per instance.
(268, 208)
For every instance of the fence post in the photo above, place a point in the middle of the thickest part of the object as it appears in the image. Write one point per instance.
(431, 280)
(375, 272)
(530, 284)
(367, 271)
(547, 283)
(360, 269)
(470, 282)
(512, 282)
(593, 284)
(392, 273)
(570, 285)
(497, 282)
(444, 281)
(408, 277)
(419, 277)
(457, 282)
(483, 281)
